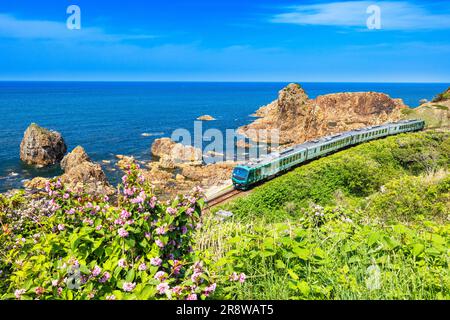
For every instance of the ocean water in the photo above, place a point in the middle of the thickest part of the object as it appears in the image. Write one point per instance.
(110, 118)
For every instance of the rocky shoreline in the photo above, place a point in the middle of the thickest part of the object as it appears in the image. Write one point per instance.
(177, 168)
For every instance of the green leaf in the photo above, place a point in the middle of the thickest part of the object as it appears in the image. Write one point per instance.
(147, 292)
(304, 288)
(130, 275)
(292, 274)
(417, 249)
(280, 264)
(302, 253)
(373, 238)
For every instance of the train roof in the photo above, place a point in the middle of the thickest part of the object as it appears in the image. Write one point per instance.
(321, 141)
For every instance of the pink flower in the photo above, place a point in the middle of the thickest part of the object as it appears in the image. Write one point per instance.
(124, 179)
(66, 196)
(160, 275)
(122, 263)
(111, 297)
(61, 227)
(18, 293)
(125, 215)
(138, 199)
(88, 221)
(71, 211)
(196, 276)
(159, 243)
(210, 289)
(162, 287)
(171, 211)
(234, 277)
(106, 276)
(192, 296)
(119, 222)
(177, 269)
(54, 283)
(242, 278)
(184, 230)
(128, 192)
(190, 211)
(160, 230)
(142, 267)
(148, 235)
(96, 271)
(155, 262)
(99, 227)
(123, 233)
(153, 202)
(177, 290)
(192, 200)
(59, 291)
(129, 286)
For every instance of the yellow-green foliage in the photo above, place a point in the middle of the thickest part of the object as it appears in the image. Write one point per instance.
(371, 222)
(358, 172)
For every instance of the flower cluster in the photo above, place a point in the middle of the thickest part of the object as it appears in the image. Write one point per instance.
(107, 247)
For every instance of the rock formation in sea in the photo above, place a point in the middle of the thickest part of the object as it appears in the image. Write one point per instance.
(170, 151)
(299, 118)
(81, 173)
(42, 147)
(206, 118)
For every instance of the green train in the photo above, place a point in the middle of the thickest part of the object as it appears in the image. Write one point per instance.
(245, 176)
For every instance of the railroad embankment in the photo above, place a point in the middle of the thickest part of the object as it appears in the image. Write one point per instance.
(370, 222)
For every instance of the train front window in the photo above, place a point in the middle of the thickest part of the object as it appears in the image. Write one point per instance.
(240, 173)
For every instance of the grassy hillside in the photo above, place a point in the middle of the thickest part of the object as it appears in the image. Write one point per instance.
(435, 115)
(370, 222)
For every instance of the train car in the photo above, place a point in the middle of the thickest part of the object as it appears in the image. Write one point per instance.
(244, 176)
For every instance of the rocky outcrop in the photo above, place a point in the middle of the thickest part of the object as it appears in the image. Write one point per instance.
(73, 159)
(81, 173)
(206, 118)
(444, 96)
(168, 150)
(210, 174)
(36, 183)
(42, 147)
(299, 118)
(435, 115)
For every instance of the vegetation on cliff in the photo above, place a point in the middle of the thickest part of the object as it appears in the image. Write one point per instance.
(371, 222)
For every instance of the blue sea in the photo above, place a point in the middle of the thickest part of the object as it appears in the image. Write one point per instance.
(110, 118)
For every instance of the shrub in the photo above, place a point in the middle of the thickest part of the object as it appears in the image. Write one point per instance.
(69, 245)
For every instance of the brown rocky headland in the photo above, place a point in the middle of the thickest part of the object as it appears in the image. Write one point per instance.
(300, 118)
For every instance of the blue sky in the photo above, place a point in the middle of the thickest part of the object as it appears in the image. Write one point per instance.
(258, 40)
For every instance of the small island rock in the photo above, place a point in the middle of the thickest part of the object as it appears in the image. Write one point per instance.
(206, 118)
(42, 147)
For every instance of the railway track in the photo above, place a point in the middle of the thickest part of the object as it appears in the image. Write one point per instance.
(222, 198)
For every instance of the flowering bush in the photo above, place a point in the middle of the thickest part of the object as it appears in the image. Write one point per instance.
(69, 245)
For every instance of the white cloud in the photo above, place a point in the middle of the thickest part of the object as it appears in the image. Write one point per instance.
(11, 27)
(395, 15)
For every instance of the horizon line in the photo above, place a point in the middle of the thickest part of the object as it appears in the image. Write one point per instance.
(223, 81)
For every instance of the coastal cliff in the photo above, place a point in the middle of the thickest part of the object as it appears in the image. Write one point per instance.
(300, 118)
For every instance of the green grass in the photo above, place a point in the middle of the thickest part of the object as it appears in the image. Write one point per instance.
(356, 173)
(319, 231)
